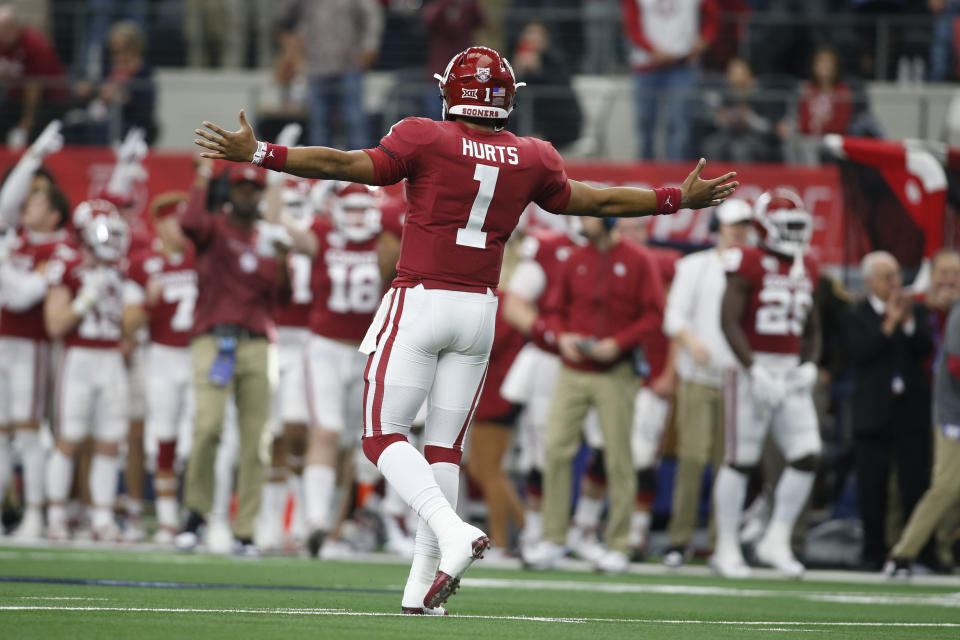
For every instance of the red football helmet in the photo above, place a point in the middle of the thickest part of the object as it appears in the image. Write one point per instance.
(102, 229)
(784, 223)
(354, 210)
(478, 83)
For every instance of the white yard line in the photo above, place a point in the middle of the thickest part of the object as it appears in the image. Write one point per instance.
(930, 599)
(344, 613)
(62, 598)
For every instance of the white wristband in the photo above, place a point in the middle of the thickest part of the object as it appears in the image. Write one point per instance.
(260, 153)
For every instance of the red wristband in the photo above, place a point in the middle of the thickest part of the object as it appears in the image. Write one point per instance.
(270, 156)
(668, 199)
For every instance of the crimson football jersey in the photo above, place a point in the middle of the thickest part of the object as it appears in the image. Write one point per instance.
(346, 284)
(466, 191)
(30, 251)
(102, 326)
(297, 313)
(171, 317)
(778, 304)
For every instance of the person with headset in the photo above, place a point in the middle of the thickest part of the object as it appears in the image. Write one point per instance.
(608, 303)
(692, 320)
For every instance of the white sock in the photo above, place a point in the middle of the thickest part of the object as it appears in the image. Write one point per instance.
(59, 477)
(103, 482)
(729, 490)
(167, 512)
(318, 487)
(426, 551)
(102, 517)
(133, 507)
(5, 465)
(587, 513)
(639, 527)
(32, 457)
(532, 525)
(56, 514)
(790, 497)
(273, 502)
(412, 477)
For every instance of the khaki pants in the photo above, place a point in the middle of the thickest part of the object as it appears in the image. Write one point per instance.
(943, 493)
(612, 394)
(251, 388)
(699, 441)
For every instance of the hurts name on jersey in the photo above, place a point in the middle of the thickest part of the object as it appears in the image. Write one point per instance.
(490, 152)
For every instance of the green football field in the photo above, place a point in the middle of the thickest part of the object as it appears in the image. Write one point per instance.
(92, 593)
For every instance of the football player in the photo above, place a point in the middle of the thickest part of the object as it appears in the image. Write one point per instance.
(769, 319)
(469, 180)
(33, 212)
(346, 287)
(84, 308)
(160, 294)
(531, 378)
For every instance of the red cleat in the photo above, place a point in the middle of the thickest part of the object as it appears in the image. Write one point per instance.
(445, 585)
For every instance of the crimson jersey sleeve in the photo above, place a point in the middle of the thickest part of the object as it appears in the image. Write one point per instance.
(744, 261)
(554, 192)
(395, 158)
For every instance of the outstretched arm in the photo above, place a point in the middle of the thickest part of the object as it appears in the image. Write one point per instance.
(629, 202)
(320, 163)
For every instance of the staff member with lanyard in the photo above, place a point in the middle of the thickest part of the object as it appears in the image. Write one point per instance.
(241, 281)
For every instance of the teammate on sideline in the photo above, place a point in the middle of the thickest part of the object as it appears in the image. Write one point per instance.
(768, 316)
(468, 183)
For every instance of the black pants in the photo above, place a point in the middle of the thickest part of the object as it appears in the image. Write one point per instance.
(907, 446)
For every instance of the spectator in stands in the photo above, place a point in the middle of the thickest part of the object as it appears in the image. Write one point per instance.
(127, 89)
(553, 112)
(450, 26)
(692, 319)
(342, 38)
(241, 279)
(217, 32)
(600, 18)
(825, 105)
(942, 47)
(31, 79)
(609, 301)
(98, 15)
(742, 121)
(888, 339)
(666, 40)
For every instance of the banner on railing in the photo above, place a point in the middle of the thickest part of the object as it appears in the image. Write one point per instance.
(83, 172)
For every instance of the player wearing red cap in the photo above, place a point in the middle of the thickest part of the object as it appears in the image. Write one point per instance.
(468, 183)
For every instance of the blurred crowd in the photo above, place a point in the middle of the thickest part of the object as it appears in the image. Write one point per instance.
(205, 386)
(768, 76)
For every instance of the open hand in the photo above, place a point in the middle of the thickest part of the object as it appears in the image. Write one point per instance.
(236, 146)
(699, 193)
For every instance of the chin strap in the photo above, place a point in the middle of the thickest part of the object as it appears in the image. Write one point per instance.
(797, 270)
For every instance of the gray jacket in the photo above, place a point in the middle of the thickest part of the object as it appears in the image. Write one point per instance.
(337, 33)
(946, 388)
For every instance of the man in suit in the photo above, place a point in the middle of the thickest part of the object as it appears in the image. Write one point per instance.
(888, 340)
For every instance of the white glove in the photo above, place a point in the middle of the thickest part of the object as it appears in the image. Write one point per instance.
(287, 137)
(269, 236)
(17, 138)
(803, 378)
(89, 293)
(49, 141)
(133, 148)
(766, 388)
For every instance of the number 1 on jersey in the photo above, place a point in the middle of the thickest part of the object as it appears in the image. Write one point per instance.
(472, 235)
